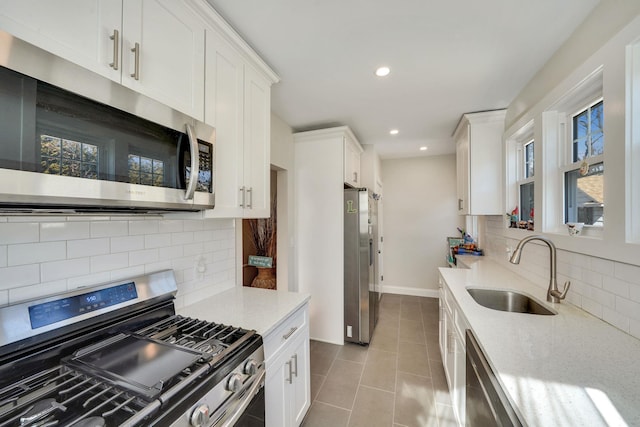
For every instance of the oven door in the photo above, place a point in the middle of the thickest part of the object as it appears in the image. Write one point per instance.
(66, 150)
(253, 416)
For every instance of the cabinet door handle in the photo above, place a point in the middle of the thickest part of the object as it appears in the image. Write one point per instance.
(136, 61)
(290, 379)
(250, 191)
(295, 363)
(459, 204)
(116, 48)
(242, 192)
(355, 177)
(291, 331)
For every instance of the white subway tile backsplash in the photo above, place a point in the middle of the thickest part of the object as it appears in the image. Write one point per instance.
(193, 249)
(170, 226)
(87, 247)
(145, 256)
(591, 306)
(30, 253)
(109, 228)
(109, 262)
(56, 270)
(182, 238)
(12, 233)
(51, 231)
(23, 275)
(634, 292)
(127, 243)
(627, 272)
(25, 293)
(616, 319)
(628, 308)
(159, 240)
(143, 227)
(193, 225)
(45, 255)
(170, 252)
(602, 266)
(605, 288)
(592, 278)
(617, 286)
(3, 256)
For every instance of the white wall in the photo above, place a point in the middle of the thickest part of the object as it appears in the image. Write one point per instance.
(420, 212)
(606, 19)
(47, 255)
(604, 271)
(282, 160)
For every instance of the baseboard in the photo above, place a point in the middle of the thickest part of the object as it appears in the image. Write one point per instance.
(416, 292)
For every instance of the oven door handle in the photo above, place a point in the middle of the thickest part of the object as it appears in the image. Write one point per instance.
(245, 402)
(195, 163)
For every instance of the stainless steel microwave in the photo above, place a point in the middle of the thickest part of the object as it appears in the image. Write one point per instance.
(64, 151)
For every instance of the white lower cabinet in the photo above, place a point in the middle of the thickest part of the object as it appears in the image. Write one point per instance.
(452, 349)
(288, 383)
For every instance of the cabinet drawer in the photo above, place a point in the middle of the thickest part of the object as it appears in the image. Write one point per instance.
(285, 332)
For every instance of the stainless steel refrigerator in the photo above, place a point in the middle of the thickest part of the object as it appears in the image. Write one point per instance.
(360, 294)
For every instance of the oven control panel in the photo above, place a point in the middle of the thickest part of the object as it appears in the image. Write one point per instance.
(50, 312)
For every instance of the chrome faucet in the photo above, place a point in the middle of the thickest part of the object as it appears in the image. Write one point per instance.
(553, 293)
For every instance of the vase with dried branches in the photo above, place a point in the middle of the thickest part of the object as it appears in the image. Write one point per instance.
(263, 235)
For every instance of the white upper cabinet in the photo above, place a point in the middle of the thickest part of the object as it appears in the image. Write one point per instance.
(155, 47)
(238, 105)
(352, 152)
(163, 53)
(85, 32)
(224, 109)
(257, 147)
(479, 163)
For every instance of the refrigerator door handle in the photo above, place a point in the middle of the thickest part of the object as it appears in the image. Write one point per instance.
(370, 252)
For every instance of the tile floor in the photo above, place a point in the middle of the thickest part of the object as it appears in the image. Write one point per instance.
(398, 381)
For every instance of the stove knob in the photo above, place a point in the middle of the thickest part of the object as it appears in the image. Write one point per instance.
(234, 384)
(200, 416)
(251, 367)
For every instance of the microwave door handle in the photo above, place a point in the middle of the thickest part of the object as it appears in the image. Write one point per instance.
(195, 163)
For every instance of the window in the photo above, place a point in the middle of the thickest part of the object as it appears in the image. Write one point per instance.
(525, 183)
(59, 156)
(584, 173)
(146, 171)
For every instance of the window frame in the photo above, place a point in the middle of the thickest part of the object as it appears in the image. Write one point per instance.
(568, 165)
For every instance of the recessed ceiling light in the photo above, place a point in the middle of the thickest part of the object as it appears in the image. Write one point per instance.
(383, 71)
(423, 148)
(394, 131)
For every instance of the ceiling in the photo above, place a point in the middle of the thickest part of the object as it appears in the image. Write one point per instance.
(446, 58)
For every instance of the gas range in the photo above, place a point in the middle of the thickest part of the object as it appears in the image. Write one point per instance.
(118, 355)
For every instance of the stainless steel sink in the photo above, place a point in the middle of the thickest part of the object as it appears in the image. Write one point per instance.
(498, 299)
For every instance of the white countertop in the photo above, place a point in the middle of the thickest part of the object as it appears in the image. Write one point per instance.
(248, 308)
(571, 369)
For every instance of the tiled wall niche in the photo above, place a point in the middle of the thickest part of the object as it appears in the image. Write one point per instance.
(606, 289)
(42, 256)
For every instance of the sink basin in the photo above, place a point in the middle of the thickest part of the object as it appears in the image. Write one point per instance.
(515, 302)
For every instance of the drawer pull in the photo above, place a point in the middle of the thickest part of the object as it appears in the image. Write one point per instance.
(290, 379)
(295, 364)
(291, 331)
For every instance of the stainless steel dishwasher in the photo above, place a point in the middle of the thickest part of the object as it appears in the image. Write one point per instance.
(486, 402)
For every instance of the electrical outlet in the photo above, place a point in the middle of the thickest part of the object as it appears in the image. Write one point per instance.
(350, 331)
(509, 251)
